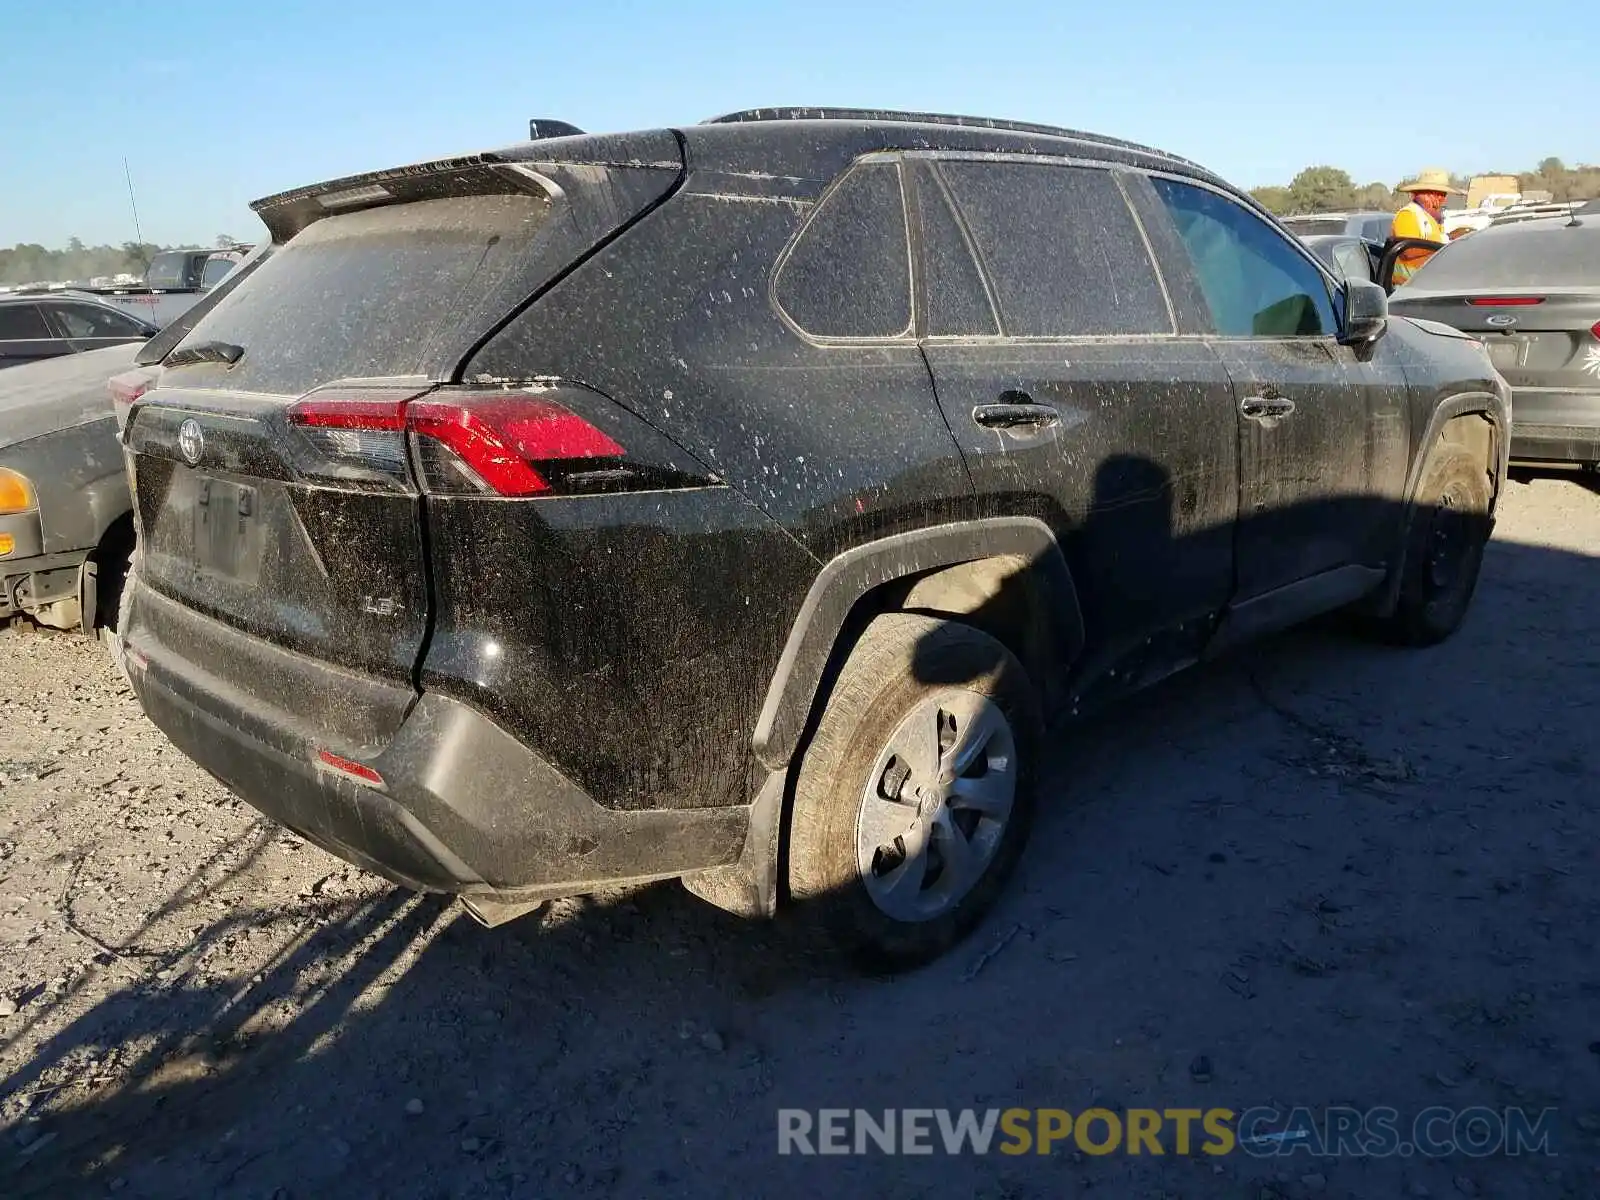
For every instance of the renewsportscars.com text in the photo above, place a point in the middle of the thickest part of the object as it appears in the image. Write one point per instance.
(1260, 1132)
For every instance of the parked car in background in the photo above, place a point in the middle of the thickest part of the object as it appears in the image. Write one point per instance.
(1374, 226)
(663, 528)
(1531, 291)
(1347, 256)
(66, 520)
(35, 327)
(173, 283)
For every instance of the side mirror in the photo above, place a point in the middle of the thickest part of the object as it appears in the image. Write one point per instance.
(1366, 313)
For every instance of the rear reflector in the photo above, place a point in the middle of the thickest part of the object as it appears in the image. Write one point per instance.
(346, 766)
(1505, 301)
(467, 441)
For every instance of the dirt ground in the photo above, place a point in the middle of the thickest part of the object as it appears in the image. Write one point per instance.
(1341, 874)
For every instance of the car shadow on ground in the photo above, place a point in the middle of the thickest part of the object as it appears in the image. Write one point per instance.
(1333, 872)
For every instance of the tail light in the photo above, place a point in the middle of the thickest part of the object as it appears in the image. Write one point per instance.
(126, 389)
(1595, 329)
(1504, 301)
(465, 441)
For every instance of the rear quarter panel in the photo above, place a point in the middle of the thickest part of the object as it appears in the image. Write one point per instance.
(686, 602)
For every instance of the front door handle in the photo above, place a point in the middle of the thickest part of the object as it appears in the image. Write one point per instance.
(1015, 416)
(1265, 408)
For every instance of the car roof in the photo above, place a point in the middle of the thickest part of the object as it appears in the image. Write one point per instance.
(799, 144)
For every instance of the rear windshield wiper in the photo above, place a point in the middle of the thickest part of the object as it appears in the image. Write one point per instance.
(205, 352)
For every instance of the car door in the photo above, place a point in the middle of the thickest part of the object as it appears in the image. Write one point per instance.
(1322, 435)
(25, 336)
(1055, 357)
(91, 327)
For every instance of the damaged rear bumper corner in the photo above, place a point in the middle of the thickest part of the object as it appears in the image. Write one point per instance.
(462, 807)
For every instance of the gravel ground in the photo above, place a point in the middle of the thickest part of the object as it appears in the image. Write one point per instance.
(1338, 874)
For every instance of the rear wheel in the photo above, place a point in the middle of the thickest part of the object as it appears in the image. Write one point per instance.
(914, 799)
(1449, 530)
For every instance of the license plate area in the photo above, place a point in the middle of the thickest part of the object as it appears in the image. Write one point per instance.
(1505, 351)
(227, 529)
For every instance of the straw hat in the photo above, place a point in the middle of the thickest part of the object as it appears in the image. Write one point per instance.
(1431, 179)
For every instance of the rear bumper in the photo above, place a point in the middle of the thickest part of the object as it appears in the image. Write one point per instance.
(1555, 443)
(463, 806)
(1555, 425)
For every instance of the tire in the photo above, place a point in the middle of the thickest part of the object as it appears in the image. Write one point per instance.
(877, 823)
(1450, 527)
(111, 633)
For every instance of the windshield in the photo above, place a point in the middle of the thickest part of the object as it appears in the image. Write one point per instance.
(1536, 254)
(215, 271)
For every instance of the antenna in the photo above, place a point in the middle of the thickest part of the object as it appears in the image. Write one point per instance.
(128, 175)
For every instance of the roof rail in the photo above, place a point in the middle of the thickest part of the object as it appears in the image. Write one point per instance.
(922, 118)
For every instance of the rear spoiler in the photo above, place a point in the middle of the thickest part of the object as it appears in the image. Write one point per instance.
(487, 173)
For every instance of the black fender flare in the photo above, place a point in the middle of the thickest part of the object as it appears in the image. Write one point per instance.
(844, 580)
(1463, 404)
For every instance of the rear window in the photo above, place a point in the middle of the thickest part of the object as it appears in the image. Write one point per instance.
(1546, 254)
(215, 271)
(168, 270)
(1310, 226)
(371, 293)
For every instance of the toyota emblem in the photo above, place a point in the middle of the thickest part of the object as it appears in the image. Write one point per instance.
(1500, 320)
(191, 441)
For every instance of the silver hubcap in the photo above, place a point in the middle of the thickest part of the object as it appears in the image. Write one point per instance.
(936, 805)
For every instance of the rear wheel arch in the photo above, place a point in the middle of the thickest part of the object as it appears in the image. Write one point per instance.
(1004, 575)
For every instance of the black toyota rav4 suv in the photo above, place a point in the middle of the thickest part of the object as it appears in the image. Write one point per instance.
(742, 502)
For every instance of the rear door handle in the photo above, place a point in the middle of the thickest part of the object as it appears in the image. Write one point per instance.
(1015, 416)
(1259, 408)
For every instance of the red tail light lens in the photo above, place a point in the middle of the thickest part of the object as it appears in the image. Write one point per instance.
(1505, 301)
(1595, 329)
(126, 388)
(499, 436)
(467, 442)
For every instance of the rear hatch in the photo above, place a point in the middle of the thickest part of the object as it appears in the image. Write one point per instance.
(260, 505)
(1531, 292)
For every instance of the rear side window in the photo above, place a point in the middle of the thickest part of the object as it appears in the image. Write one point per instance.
(849, 274)
(1546, 253)
(1376, 229)
(19, 321)
(82, 321)
(370, 293)
(1061, 249)
(169, 270)
(953, 292)
(1256, 283)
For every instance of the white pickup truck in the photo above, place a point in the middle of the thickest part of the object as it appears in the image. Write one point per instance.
(174, 281)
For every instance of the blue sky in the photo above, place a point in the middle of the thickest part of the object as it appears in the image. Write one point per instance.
(217, 103)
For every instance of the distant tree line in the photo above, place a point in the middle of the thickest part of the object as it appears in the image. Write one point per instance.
(32, 263)
(1330, 189)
